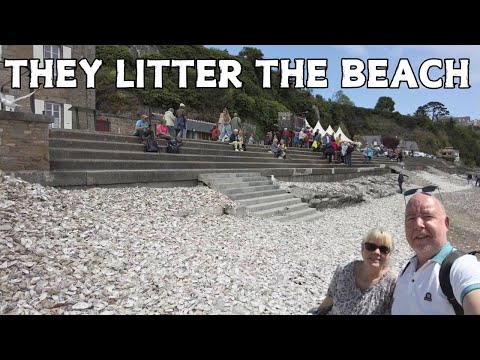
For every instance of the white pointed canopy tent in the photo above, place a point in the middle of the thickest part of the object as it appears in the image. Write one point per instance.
(340, 132)
(329, 130)
(319, 127)
(306, 124)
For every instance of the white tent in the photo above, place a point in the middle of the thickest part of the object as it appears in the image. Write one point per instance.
(340, 132)
(319, 128)
(306, 124)
(329, 130)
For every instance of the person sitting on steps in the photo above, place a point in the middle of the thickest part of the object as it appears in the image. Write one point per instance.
(236, 140)
(276, 150)
(162, 130)
(141, 126)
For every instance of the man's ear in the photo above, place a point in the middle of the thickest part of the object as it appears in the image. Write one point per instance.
(447, 222)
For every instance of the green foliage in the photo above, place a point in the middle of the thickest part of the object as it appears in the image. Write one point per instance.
(464, 139)
(429, 142)
(341, 98)
(245, 103)
(251, 54)
(435, 110)
(421, 112)
(385, 103)
(110, 53)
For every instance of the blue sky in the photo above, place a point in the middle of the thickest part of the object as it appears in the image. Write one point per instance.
(460, 102)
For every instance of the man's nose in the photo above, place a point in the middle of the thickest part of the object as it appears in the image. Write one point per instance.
(419, 222)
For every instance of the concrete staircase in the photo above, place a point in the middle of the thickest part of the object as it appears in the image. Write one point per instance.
(87, 158)
(260, 196)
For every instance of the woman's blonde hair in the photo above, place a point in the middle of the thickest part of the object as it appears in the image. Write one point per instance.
(380, 237)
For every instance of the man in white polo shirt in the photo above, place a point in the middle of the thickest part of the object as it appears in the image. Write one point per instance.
(418, 290)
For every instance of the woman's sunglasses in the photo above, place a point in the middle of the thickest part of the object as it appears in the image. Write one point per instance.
(425, 190)
(372, 247)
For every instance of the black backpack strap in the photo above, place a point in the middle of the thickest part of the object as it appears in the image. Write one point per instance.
(445, 283)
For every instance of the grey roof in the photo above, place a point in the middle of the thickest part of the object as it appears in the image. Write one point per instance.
(369, 139)
(199, 126)
(408, 145)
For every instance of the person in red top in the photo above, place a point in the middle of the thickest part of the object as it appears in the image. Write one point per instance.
(286, 136)
(307, 139)
(215, 133)
(162, 130)
(337, 149)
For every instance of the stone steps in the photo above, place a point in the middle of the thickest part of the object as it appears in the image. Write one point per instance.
(92, 149)
(87, 158)
(265, 201)
(100, 140)
(176, 163)
(189, 155)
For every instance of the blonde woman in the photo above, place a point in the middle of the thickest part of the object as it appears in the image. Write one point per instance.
(227, 127)
(363, 287)
(221, 120)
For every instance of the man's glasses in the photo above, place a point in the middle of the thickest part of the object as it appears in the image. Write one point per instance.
(372, 247)
(425, 190)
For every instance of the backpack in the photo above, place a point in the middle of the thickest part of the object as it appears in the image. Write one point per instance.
(151, 144)
(444, 277)
(173, 147)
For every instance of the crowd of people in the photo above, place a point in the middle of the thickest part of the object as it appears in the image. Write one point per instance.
(172, 127)
(173, 124)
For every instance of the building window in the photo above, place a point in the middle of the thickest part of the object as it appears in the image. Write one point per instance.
(53, 110)
(52, 52)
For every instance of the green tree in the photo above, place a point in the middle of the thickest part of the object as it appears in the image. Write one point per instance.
(435, 110)
(340, 98)
(251, 54)
(421, 112)
(385, 103)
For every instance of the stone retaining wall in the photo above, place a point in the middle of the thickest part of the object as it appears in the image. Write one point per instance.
(24, 140)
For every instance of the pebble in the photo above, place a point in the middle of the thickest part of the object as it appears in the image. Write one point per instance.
(152, 251)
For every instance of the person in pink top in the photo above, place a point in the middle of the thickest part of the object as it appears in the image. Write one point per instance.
(162, 130)
(307, 139)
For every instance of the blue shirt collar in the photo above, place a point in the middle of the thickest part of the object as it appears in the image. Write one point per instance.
(442, 254)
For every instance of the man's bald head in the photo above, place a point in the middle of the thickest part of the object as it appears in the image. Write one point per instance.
(422, 198)
(426, 225)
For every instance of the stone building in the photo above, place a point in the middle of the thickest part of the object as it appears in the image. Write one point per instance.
(71, 108)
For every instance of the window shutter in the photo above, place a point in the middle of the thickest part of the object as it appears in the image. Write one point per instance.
(67, 116)
(38, 53)
(67, 52)
(39, 106)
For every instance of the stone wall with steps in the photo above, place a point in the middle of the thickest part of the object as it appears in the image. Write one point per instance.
(80, 158)
(85, 158)
(260, 196)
